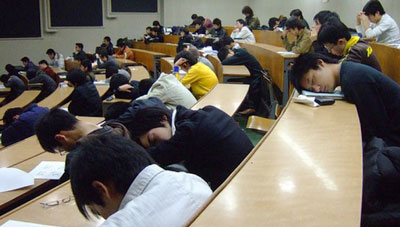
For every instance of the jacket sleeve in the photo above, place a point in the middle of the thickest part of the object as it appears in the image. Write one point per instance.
(189, 78)
(303, 45)
(288, 46)
(376, 31)
(37, 79)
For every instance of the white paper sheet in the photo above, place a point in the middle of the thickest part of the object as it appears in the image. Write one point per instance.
(48, 170)
(12, 178)
(12, 223)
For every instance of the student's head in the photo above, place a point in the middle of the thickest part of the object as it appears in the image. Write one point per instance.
(156, 24)
(193, 50)
(194, 17)
(148, 30)
(54, 131)
(152, 126)
(111, 70)
(102, 191)
(25, 61)
(198, 23)
(115, 110)
(322, 17)
(121, 43)
(225, 53)
(247, 11)
(312, 71)
(183, 32)
(10, 69)
(86, 66)
(4, 78)
(189, 60)
(297, 13)
(228, 42)
(334, 36)
(107, 40)
(294, 26)
(51, 53)
(118, 80)
(374, 10)
(217, 23)
(103, 54)
(145, 85)
(11, 115)
(154, 31)
(76, 77)
(240, 23)
(78, 47)
(202, 19)
(273, 22)
(43, 64)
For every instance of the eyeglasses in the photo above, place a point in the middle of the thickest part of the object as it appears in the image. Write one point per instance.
(57, 202)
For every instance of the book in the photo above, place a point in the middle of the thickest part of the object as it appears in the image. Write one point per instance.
(332, 95)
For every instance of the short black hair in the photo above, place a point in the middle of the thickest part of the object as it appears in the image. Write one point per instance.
(43, 62)
(272, 22)
(185, 30)
(241, 21)
(372, 7)
(227, 40)
(217, 21)
(76, 77)
(303, 64)
(87, 64)
(80, 45)
(332, 31)
(118, 80)
(121, 43)
(25, 59)
(107, 38)
(148, 28)
(103, 52)
(10, 68)
(10, 113)
(323, 16)
(51, 124)
(201, 18)
(122, 158)
(297, 13)
(50, 51)
(154, 29)
(247, 10)
(222, 53)
(115, 110)
(192, 60)
(156, 23)
(294, 22)
(111, 70)
(4, 78)
(194, 16)
(145, 85)
(147, 119)
(198, 21)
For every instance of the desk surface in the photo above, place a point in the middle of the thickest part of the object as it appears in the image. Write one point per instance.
(21, 101)
(235, 70)
(58, 70)
(306, 172)
(227, 97)
(138, 73)
(59, 95)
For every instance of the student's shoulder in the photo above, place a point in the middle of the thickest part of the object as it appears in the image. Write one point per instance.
(356, 73)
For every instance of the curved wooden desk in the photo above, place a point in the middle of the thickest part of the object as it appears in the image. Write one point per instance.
(167, 64)
(307, 171)
(389, 58)
(21, 101)
(57, 97)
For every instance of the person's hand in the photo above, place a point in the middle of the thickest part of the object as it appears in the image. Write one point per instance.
(180, 61)
(359, 18)
(284, 33)
(125, 87)
(364, 18)
(97, 56)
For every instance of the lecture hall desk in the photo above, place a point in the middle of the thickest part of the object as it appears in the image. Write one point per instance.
(21, 101)
(306, 171)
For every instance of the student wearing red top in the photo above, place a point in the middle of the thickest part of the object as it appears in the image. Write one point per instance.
(44, 66)
(124, 51)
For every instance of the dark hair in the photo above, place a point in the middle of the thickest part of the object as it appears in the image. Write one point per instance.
(222, 53)
(192, 60)
(122, 158)
(87, 64)
(4, 78)
(198, 21)
(148, 27)
(154, 29)
(272, 22)
(115, 110)
(294, 22)
(50, 51)
(43, 62)
(10, 113)
(147, 119)
(201, 18)
(241, 21)
(51, 124)
(247, 10)
(145, 85)
(185, 30)
(303, 64)
(76, 77)
(111, 70)
(107, 38)
(80, 45)
(324, 15)
(25, 59)
(156, 23)
(297, 13)
(194, 16)
(332, 31)
(103, 52)
(227, 40)
(217, 21)
(118, 80)
(11, 69)
(121, 43)
(372, 7)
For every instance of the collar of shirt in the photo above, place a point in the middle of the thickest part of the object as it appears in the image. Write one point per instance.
(140, 183)
(352, 41)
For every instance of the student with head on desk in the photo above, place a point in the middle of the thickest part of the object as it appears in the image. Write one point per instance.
(124, 51)
(16, 85)
(79, 54)
(242, 32)
(303, 43)
(105, 60)
(335, 36)
(29, 67)
(107, 44)
(252, 21)
(200, 78)
(112, 70)
(195, 52)
(56, 59)
(134, 191)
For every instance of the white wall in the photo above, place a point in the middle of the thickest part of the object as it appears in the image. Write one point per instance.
(125, 25)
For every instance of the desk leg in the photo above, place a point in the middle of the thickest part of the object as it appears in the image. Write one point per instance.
(286, 83)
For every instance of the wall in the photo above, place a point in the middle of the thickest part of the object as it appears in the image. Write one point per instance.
(125, 25)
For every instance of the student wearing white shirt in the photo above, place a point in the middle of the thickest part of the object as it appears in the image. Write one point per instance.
(382, 26)
(56, 59)
(133, 191)
(242, 32)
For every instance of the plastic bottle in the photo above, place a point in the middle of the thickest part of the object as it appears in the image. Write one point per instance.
(176, 72)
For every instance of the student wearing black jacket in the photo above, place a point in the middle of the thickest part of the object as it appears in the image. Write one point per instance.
(210, 142)
(107, 45)
(200, 29)
(155, 37)
(79, 54)
(29, 67)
